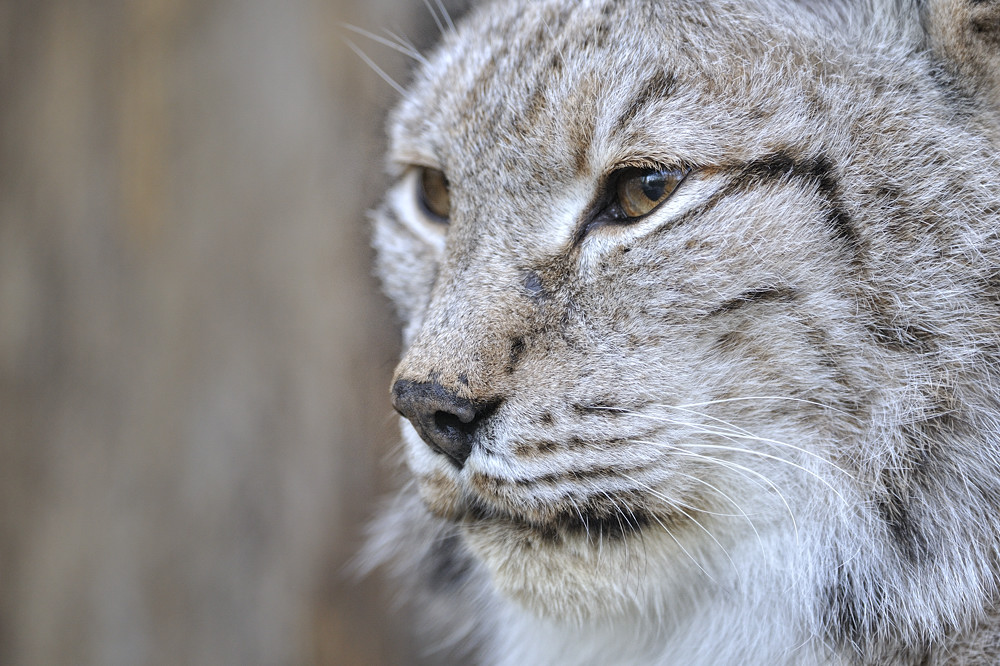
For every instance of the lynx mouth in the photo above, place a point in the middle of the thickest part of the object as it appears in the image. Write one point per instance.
(584, 511)
(597, 523)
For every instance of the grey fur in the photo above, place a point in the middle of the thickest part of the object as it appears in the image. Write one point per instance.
(759, 425)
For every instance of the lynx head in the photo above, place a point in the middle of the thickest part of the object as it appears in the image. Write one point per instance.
(700, 295)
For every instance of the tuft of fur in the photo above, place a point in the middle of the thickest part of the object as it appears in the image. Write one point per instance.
(760, 425)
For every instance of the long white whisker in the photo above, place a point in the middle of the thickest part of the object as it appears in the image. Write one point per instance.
(722, 422)
(739, 468)
(444, 13)
(618, 517)
(620, 510)
(709, 430)
(717, 542)
(401, 48)
(775, 442)
(762, 455)
(552, 36)
(434, 14)
(378, 70)
(672, 421)
(734, 503)
(405, 43)
(576, 507)
(683, 549)
(763, 397)
(677, 505)
(674, 502)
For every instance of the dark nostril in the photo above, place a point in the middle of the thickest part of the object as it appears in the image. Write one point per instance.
(452, 425)
(444, 420)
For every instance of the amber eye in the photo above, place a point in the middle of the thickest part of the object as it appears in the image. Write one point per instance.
(433, 193)
(639, 191)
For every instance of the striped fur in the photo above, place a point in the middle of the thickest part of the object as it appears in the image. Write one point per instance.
(759, 425)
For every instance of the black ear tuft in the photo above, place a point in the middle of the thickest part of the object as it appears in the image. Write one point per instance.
(965, 34)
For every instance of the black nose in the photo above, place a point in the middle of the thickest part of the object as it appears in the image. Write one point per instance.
(444, 420)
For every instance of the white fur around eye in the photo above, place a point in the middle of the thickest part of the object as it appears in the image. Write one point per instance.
(404, 199)
(694, 191)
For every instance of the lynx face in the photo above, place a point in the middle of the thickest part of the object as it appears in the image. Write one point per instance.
(682, 286)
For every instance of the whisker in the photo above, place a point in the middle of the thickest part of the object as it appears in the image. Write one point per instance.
(762, 455)
(674, 502)
(395, 46)
(434, 14)
(766, 397)
(552, 36)
(702, 428)
(806, 452)
(725, 496)
(444, 13)
(618, 517)
(676, 505)
(717, 542)
(739, 468)
(583, 521)
(405, 43)
(723, 422)
(378, 70)
(684, 550)
(619, 512)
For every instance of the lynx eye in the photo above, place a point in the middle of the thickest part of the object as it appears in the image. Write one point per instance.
(639, 191)
(433, 193)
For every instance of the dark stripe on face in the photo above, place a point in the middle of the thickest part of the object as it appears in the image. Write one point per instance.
(856, 618)
(894, 508)
(818, 170)
(761, 295)
(902, 485)
(615, 516)
(890, 328)
(844, 615)
(616, 524)
(578, 475)
(517, 348)
(900, 338)
(659, 86)
(601, 408)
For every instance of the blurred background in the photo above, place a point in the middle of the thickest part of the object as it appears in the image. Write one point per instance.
(194, 357)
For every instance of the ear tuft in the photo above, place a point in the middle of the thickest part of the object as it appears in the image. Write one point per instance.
(965, 34)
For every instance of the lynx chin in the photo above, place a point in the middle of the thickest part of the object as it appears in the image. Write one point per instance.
(701, 324)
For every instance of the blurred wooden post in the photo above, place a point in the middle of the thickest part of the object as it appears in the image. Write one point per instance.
(193, 356)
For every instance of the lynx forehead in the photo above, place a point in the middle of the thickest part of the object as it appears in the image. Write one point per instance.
(701, 307)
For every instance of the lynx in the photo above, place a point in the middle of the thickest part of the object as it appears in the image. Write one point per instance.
(701, 329)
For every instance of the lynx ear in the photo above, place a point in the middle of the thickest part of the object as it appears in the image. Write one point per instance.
(966, 36)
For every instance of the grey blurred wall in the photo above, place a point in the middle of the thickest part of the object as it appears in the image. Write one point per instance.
(194, 359)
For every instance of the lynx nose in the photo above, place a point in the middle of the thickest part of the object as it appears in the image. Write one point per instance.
(444, 420)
